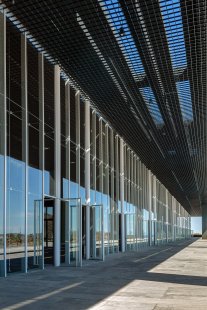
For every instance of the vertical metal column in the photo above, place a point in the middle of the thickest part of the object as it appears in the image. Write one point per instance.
(67, 210)
(41, 136)
(3, 133)
(101, 157)
(25, 158)
(77, 118)
(166, 220)
(112, 187)
(117, 199)
(87, 175)
(57, 165)
(101, 177)
(106, 158)
(173, 217)
(150, 206)
(122, 195)
(94, 209)
(67, 128)
(94, 151)
(155, 208)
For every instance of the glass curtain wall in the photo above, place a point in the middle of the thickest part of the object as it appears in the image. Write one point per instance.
(31, 160)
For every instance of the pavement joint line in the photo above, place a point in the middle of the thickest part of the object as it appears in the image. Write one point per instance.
(143, 258)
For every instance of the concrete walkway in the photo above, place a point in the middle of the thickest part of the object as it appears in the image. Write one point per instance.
(164, 277)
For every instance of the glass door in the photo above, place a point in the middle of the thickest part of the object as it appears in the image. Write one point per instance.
(96, 232)
(71, 232)
(49, 217)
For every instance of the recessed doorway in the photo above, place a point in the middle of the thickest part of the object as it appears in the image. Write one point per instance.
(49, 214)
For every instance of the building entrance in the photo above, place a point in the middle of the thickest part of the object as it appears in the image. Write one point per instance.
(70, 231)
(49, 205)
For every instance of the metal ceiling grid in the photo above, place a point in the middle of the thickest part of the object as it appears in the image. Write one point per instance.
(115, 49)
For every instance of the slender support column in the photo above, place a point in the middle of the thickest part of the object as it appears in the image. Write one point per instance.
(101, 176)
(122, 195)
(150, 206)
(117, 167)
(3, 141)
(173, 218)
(67, 133)
(24, 99)
(77, 118)
(93, 232)
(106, 158)
(117, 198)
(67, 128)
(101, 158)
(77, 126)
(167, 224)
(94, 152)
(41, 138)
(154, 201)
(87, 175)
(112, 213)
(57, 165)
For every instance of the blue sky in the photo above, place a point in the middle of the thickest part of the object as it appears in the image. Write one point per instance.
(196, 224)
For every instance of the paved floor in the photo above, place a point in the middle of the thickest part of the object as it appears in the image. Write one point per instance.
(164, 277)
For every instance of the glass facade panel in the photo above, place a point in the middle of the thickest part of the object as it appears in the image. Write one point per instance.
(148, 208)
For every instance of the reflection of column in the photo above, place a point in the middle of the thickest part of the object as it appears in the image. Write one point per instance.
(150, 206)
(41, 139)
(87, 175)
(24, 130)
(122, 195)
(57, 165)
(3, 134)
